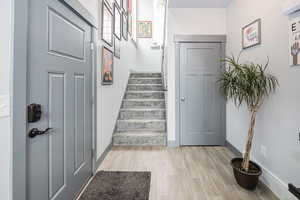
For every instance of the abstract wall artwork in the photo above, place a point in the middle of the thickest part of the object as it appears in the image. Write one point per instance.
(294, 37)
(107, 24)
(107, 66)
(118, 20)
(144, 29)
(117, 48)
(251, 34)
(125, 26)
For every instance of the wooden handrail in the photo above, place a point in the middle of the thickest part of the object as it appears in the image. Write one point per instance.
(295, 191)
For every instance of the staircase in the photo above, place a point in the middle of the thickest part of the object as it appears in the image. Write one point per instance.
(142, 118)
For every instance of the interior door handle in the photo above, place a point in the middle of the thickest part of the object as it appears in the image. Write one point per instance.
(35, 132)
(182, 99)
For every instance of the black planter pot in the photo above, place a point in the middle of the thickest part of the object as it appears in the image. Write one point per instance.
(246, 180)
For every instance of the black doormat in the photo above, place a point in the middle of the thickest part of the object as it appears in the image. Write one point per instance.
(118, 186)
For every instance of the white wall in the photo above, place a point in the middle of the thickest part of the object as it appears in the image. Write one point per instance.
(147, 59)
(110, 97)
(278, 120)
(188, 21)
(5, 66)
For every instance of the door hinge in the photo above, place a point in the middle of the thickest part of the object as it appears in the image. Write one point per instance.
(92, 101)
(92, 46)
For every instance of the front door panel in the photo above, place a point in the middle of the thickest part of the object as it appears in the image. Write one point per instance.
(60, 80)
(201, 106)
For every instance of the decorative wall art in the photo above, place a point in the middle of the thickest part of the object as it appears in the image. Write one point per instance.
(107, 66)
(110, 3)
(119, 3)
(107, 24)
(125, 27)
(251, 34)
(144, 29)
(294, 34)
(129, 12)
(117, 23)
(125, 5)
(117, 48)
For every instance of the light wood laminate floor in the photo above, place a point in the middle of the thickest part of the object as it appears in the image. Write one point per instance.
(185, 173)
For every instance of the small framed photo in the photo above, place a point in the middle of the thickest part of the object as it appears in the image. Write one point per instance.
(144, 29)
(107, 24)
(110, 3)
(251, 34)
(125, 26)
(117, 23)
(107, 66)
(125, 5)
(117, 48)
(119, 3)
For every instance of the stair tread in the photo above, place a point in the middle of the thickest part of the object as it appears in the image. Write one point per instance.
(144, 91)
(134, 78)
(143, 100)
(143, 109)
(142, 120)
(141, 133)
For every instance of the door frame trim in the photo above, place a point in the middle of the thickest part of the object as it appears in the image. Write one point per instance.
(178, 39)
(19, 97)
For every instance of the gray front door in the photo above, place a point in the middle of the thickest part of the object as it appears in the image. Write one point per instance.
(201, 104)
(59, 162)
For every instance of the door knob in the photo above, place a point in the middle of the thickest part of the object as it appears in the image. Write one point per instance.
(35, 132)
(182, 99)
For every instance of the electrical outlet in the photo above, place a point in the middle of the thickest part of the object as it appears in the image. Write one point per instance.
(263, 151)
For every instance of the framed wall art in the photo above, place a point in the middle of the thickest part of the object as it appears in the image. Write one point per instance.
(144, 29)
(119, 3)
(117, 48)
(117, 22)
(125, 26)
(107, 66)
(129, 13)
(251, 34)
(294, 39)
(107, 24)
(125, 5)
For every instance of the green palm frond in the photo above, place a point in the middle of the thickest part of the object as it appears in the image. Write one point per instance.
(247, 82)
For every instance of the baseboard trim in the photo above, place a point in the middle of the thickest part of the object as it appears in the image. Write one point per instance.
(173, 143)
(268, 179)
(102, 157)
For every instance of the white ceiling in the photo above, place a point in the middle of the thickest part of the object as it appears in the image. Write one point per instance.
(198, 3)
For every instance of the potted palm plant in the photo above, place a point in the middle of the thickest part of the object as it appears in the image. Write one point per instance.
(247, 84)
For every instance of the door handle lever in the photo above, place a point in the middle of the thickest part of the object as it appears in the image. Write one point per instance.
(35, 132)
(182, 99)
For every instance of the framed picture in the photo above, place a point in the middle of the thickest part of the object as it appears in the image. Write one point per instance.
(125, 5)
(144, 29)
(294, 39)
(125, 27)
(119, 3)
(251, 34)
(117, 48)
(110, 3)
(107, 24)
(107, 66)
(129, 13)
(117, 23)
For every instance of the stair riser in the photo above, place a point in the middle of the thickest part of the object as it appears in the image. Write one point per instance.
(145, 75)
(131, 126)
(144, 88)
(152, 95)
(143, 104)
(145, 81)
(153, 114)
(140, 141)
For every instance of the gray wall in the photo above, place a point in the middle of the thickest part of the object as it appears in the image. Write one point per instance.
(5, 67)
(278, 120)
(110, 97)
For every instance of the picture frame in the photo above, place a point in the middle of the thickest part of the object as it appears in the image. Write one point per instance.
(119, 3)
(130, 20)
(125, 5)
(117, 22)
(110, 3)
(125, 26)
(251, 34)
(117, 48)
(107, 24)
(107, 68)
(144, 29)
